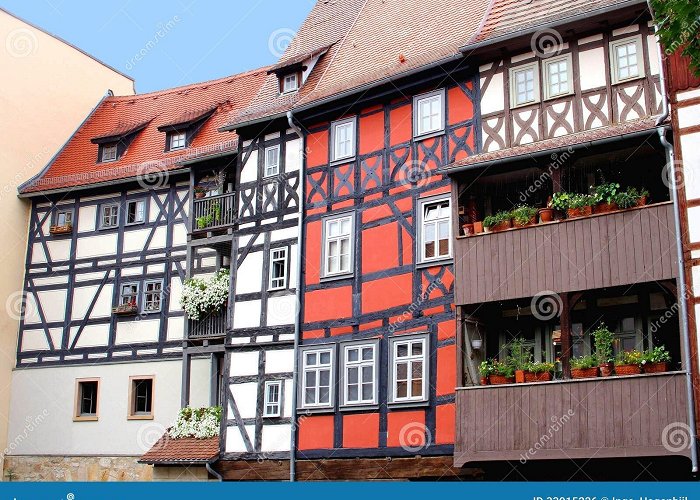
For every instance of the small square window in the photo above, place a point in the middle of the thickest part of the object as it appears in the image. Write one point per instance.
(626, 59)
(272, 161)
(428, 113)
(152, 296)
(135, 212)
(141, 397)
(338, 245)
(109, 152)
(343, 139)
(317, 377)
(360, 373)
(290, 83)
(128, 294)
(557, 77)
(278, 269)
(435, 230)
(109, 215)
(409, 369)
(178, 140)
(273, 398)
(64, 217)
(86, 399)
(524, 85)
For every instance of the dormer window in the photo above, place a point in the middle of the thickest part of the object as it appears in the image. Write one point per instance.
(290, 83)
(109, 152)
(178, 140)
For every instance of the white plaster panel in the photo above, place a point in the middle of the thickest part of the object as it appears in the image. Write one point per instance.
(53, 280)
(234, 440)
(179, 235)
(279, 361)
(96, 246)
(138, 331)
(293, 156)
(38, 254)
(53, 303)
(690, 148)
(31, 311)
(88, 276)
(132, 271)
(592, 68)
(249, 277)
(276, 438)
(155, 268)
(589, 39)
(134, 240)
(280, 310)
(91, 336)
(246, 397)
(492, 98)
(175, 294)
(696, 280)
(653, 55)
(87, 218)
(59, 249)
(176, 328)
(694, 224)
(83, 296)
(244, 363)
(34, 340)
(691, 94)
(522, 57)
(284, 234)
(632, 28)
(273, 135)
(249, 173)
(288, 388)
(688, 116)
(247, 314)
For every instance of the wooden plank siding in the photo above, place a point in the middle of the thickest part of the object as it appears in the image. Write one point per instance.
(629, 416)
(605, 250)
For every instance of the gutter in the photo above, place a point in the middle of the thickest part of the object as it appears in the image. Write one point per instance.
(211, 470)
(682, 285)
(297, 318)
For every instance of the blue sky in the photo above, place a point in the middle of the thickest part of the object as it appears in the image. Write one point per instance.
(177, 42)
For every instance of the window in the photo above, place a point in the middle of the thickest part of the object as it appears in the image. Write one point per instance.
(141, 397)
(524, 85)
(408, 369)
(152, 296)
(435, 230)
(360, 374)
(317, 378)
(428, 115)
(272, 161)
(337, 245)
(64, 217)
(273, 398)
(625, 56)
(109, 152)
(343, 139)
(128, 293)
(86, 399)
(557, 77)
(278, 269)
(109, 215)
(135, 212)
(290, 83)
(178, 140)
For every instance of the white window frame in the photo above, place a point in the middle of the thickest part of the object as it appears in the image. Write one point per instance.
(534, 67)
(284, 258)
(271, 169)
(137, 220)
(292, 87)
(360, 364)
(135, 295)
(178, 140)
(318, 368)
(394, 342)
(421, 229)
(115, 216)
(614, 62)
(546, 75)
(109, 153)
(351, 122)
(67, 217)
(326, 241)
(418, 133)
(146, 293)
(267, 402)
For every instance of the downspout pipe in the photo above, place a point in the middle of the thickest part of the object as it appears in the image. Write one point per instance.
(211, 470)
(297, 318)
(682, 285)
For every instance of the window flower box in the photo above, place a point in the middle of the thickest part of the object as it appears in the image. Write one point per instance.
(65, 229)
(125, 309)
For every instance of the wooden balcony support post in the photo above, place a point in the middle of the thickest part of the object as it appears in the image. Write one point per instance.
(565, 325)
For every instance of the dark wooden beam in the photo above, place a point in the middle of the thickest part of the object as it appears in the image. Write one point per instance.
(565, 325)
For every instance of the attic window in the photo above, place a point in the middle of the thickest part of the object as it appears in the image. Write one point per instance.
(290, 83)
(178, 140)
(109, 152)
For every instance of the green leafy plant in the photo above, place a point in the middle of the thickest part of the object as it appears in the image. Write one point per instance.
(633, 357)
(584, 362)
(503, 369)
(658, 354)
(523, 214)
(497, 218)
(605, 193)
(201, 296)
(626, 199)
(216, 211)
(540, 367)
(199, 189)
(581, 200)
(204, 221)
(486, 368)
(560, 201)
(678, 23)
(520, 355)
(603, 340)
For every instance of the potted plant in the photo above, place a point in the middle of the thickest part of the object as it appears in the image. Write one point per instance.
(520, 358)
(478, 227)
(502, 373)
(199, 192)
(539, 372)
(580, 205)
(629, 363)
(126, 309)
(603, 340)
(547, 213)
(584, 367)
(626, 199)
(499, 221)
(202, 296)
(468, 229)
(656, 360)
(604, 196)
(642, 196)
(524, 215)
(485, 369)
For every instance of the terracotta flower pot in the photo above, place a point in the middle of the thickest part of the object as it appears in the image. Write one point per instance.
(468, 229)
(602, 208)
(484, 381)
(519, 376)
(478, 227)
(584, 372)
(606, 369)
(531, 222)
(642, 201)
(627, 369)
(500, 380)
(573, 213)
(199, 194)
(538, 377)
(502, 226)
(546, 214)
(656, 367)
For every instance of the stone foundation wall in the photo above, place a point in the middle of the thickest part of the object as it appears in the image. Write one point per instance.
(75, 468)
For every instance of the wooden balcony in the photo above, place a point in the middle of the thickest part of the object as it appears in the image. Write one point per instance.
(212, 325)
(632, 416)
(214, 212)
(606, 250)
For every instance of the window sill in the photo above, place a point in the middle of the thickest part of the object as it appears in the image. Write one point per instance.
(85, 419)
(626, 80)
(314, 411)
(343, 161)
(524, 105)
(558, 96)
(433, 263)
(407, 404)
(428, 135)
(336, 277)
(359, 407)
(139, 417)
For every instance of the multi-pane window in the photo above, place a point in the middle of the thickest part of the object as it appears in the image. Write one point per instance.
(86, 406)
(135, 212)
(278, 269)
(64, 217)
(625, 56)
(109, 215)
(317, 369)
(152, 296)
(343, 139)
(141, 397)
(109, 152)
(558, 77)
(408, 365)
(290, 83)
(337, 254)
(435, 230)
(273, 398)
(428, 116)
(359, 373)
(272, 161)
(178, 140)
(524, 85)
(128, 294)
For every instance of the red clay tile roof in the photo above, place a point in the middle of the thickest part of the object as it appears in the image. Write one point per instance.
(76, 163)
(182, 450)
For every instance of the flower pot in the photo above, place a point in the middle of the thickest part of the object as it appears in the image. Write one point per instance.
(546, 214)
(468, 229)
(478, 227)
(65, 229)
(476, 344)
(584, 372)
(642, 201)
(573, 213)
(531, 222)
(656, 367)
(501, 226)
(606, 369)
(627, 369)
(538, 377)
(500, 380)
(125, 309)
(484, 381)
(199, 194)
(519, 376)
(602, 208)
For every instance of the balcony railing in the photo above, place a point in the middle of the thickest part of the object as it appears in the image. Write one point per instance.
(212, 325)
(632, 416)
(214, 212)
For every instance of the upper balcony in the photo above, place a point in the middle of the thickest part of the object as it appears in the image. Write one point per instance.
(213, 212)
(214, 204)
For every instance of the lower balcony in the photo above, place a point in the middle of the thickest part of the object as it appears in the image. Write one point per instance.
(613, 417)
(211, 325)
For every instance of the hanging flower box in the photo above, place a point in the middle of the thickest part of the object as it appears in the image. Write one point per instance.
(202, 296)
(65, 229)
(125, 309)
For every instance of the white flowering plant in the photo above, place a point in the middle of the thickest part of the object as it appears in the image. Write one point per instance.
(200, 423)
(201, 296)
